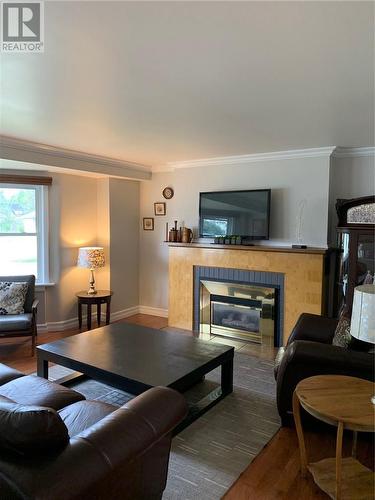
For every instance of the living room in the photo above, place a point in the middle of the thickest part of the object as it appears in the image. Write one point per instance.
(132, 135)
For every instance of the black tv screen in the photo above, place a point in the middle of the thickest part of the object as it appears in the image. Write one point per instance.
(240, 213)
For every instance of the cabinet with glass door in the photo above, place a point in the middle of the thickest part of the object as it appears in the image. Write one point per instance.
(355, 231)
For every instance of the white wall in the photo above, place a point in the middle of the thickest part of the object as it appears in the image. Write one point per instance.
(290, 180)
(349, 178)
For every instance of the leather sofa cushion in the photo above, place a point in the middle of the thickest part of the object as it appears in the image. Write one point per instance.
(29, 429)
(32, 390)
(83, 414)
(15, 322)
(7, 374)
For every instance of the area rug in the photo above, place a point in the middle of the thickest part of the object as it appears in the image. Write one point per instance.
(210, 454)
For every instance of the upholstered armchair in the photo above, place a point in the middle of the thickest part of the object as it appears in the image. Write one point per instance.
(24, 324)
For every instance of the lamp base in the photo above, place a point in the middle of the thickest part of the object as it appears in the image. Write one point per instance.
(91, 290)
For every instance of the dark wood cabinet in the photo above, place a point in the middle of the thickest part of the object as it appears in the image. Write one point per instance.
(356, 260)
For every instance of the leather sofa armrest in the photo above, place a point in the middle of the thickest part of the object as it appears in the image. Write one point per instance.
(109, 457)
(314, 328)
(140, 422)
(303, 359)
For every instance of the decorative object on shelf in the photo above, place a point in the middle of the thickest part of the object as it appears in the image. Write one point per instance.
(168, 193)
(148, 223)
(301, 208)
(91, 258)
(369, 279)
(173, 233)
(356, 244)
(160, 208)
(228, 240)
(187, 235)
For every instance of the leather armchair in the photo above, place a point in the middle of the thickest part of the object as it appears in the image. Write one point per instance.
(309, 351)
(118, 453)
(22, 325)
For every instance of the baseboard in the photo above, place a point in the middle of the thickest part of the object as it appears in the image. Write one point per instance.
(153, 311)
(60, 326)
(115, 316)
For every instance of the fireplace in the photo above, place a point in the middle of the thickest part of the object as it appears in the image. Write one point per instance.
(239, 303)
(238, 310)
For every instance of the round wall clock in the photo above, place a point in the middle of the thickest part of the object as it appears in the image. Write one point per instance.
(168, 193)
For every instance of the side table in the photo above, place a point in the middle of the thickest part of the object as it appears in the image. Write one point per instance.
(101, 297)
(344, 402)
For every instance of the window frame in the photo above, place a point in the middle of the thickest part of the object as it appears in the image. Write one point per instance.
(42, 227)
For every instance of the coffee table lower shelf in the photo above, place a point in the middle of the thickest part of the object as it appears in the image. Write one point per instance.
(357, 480)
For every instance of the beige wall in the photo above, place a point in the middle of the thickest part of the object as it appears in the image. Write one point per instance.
(72, 217)
(89, 211)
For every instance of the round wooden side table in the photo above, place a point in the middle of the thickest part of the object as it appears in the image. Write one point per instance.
(101, 297)
(344, 402)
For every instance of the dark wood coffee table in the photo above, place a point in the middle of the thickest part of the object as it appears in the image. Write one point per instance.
(134, 358)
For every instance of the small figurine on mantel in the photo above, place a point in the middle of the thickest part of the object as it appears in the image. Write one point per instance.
(181, 235)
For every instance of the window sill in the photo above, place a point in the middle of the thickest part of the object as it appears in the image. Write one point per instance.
(40, 287)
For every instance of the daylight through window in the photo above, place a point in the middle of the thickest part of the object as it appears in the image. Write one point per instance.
(23, 231)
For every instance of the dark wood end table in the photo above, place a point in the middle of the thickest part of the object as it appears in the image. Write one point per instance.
(101, 297)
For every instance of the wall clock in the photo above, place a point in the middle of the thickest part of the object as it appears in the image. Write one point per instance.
(168, 193)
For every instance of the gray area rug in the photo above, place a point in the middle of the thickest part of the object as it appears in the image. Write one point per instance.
(210, 454)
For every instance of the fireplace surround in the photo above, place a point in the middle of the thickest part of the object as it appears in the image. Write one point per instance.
(303, 274)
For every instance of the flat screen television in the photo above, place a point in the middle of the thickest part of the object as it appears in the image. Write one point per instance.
(240, 213)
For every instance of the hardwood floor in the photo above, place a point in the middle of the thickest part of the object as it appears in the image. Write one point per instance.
(274, 473)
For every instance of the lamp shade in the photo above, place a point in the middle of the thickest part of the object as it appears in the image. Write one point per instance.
(91, 257)
(362, 325)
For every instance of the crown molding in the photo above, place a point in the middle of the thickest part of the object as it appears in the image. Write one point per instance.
(222, 161)
(43, 154)
(340, 152)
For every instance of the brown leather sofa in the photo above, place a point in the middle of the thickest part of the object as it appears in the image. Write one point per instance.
(55, 445)
(309, 351)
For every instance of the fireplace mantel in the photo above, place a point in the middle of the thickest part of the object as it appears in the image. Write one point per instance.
(303, 270)
(252, 248)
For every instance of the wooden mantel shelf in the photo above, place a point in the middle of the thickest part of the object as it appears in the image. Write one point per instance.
(252, 248)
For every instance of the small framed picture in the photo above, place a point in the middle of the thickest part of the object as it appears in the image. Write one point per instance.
(148, 223)
(160, 208)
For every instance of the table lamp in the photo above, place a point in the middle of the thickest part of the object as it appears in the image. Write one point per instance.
(91, 258)
(362, 325)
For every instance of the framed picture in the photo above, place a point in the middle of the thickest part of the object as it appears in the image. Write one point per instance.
(148, 223)
(160, 208)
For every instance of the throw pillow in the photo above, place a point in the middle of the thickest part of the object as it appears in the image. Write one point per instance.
(27, 429)
(12, 297)
(342, 337)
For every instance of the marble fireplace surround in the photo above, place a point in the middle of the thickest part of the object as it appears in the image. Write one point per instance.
(243, 277)
(303, 272)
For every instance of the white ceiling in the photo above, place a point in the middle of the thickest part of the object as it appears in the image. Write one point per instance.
(156, 82)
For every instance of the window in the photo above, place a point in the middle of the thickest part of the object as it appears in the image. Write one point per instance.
(24, 230)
